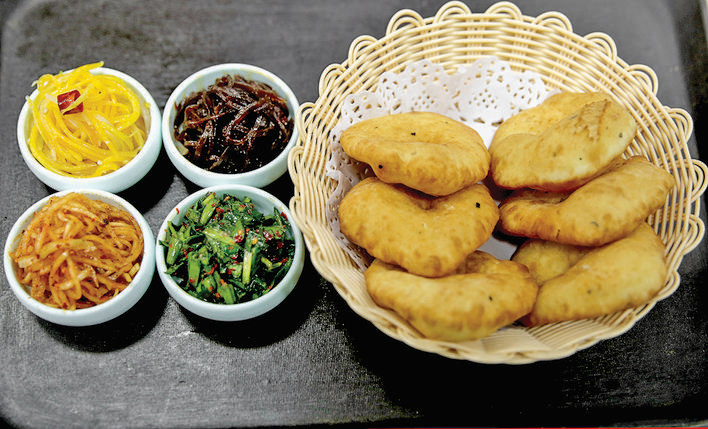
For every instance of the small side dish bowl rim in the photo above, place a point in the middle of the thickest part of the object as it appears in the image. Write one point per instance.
(238, 311)
(199, 80)
(115, 181)
(101, 313)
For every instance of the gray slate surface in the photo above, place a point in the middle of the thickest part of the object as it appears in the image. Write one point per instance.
(312, 360)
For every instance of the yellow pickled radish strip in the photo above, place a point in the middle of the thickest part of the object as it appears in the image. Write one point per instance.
(55, 135)
(101, 128)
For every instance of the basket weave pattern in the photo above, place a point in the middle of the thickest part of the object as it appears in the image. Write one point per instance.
(546, 45)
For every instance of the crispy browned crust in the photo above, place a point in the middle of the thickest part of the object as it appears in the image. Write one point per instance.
(605, 209)
(428, 236)
(565, 155)
(578, 283)
(556, 107)
(425, 151)
(484, 295)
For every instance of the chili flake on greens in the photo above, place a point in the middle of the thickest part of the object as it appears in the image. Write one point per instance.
(232, 126)
(225, 251)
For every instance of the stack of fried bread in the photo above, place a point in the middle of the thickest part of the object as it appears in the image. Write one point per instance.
(425, 212)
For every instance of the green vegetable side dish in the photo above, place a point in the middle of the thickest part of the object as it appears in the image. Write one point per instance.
(225, 251)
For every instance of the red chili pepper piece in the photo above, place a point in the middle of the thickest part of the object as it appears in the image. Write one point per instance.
(64, 100)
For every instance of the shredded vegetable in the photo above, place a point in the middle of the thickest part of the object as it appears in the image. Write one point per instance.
(77, 252)
(85, 125)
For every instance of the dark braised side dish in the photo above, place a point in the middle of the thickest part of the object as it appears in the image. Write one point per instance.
(233, 126)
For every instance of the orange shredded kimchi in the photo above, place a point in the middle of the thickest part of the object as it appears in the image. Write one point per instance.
(78, 252)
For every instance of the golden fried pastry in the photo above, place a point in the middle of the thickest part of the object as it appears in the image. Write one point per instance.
(548, 259)
(603, 210)
(578, 283)
(426, 151)
(568, 153)
(484, 295)
(428, 236)
(535, 120)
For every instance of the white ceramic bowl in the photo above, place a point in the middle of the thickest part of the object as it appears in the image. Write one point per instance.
(199, 81)
(265, 203)
(116, 181)
(99, 313)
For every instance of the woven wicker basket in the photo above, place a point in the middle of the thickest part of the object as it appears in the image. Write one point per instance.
(546, 45)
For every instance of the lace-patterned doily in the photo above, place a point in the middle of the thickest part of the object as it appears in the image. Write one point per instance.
(481, 95)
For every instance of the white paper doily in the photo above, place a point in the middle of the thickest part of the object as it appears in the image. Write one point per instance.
(481, 95)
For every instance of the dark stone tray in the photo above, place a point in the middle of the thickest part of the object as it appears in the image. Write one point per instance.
(312, 361)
